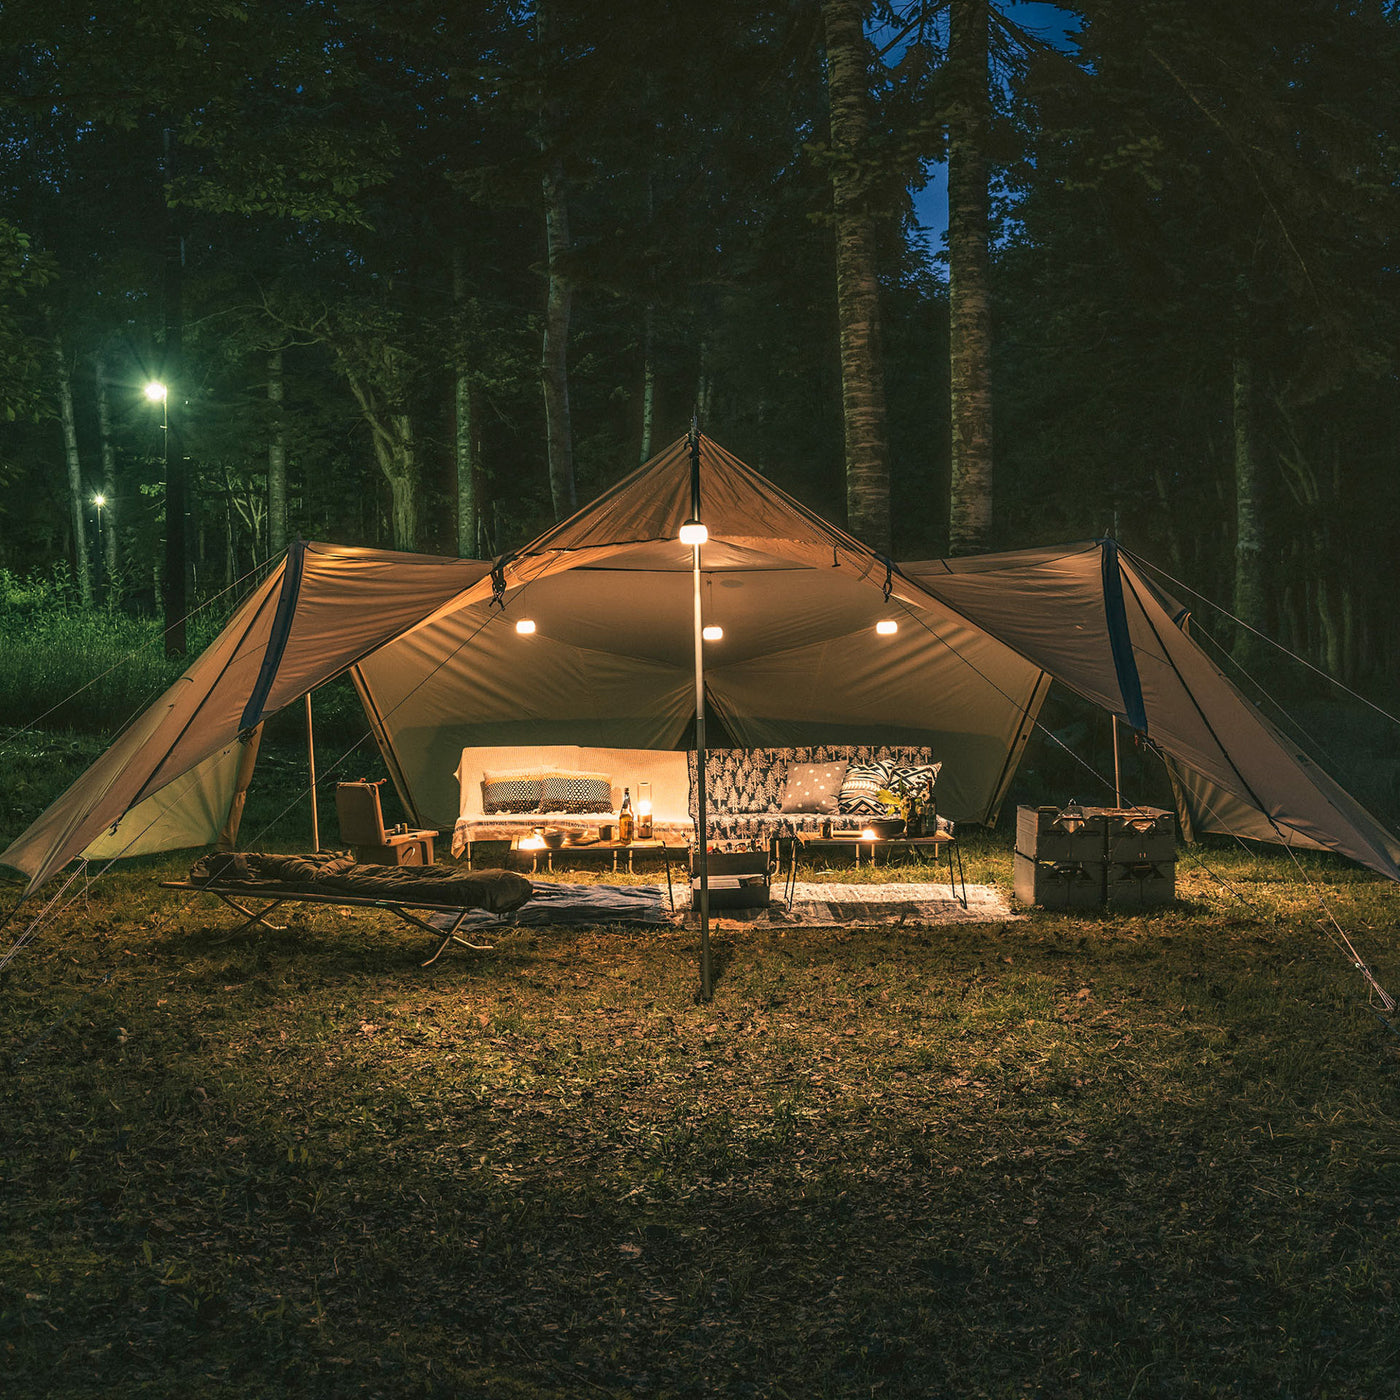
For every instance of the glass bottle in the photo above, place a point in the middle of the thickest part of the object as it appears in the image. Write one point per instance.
(625, 825)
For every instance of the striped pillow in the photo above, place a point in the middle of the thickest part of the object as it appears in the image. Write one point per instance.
(862, 782)
(516, 790)
(576, 792)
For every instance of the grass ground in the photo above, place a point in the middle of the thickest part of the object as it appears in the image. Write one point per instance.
(1087, 1155)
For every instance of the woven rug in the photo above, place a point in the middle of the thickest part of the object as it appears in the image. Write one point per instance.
(813, 906)
(831, 905)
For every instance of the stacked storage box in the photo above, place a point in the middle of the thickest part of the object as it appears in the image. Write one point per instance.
(1079, 858)
(1140, 851)
(1059, 861)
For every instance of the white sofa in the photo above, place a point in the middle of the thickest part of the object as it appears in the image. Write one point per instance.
(667, 771)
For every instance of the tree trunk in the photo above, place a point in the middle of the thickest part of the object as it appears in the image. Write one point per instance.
(465, 449)
(107, 516)
(391, 432)
(177, 510)
(276, 456)
(75, 473)
(1249, 525)
(554, 355)
(969, 293)
(857, 285)
(403, 487)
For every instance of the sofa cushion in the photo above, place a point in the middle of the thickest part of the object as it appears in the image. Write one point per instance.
(512, 790)
(916, 779)
(576, 792)
(813, 787)
(859, 792)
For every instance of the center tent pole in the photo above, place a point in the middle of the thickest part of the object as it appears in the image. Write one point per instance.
(702, 864)
(694, 533)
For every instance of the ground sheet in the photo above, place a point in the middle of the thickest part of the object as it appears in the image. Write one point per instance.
(813, 905)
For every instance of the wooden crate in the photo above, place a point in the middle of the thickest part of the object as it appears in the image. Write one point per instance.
(1074, 884)
(1050, 834)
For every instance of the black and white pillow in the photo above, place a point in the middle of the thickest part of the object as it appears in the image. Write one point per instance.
(860, 787)
(515, 790)
(576, 792)
(914, 779)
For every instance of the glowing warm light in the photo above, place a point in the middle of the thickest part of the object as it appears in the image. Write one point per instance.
(155, 391)
(887, 627)
(712, 633)
(99, 501)
(867, 835)
(525, 626)
(532, 843)
(693, 532)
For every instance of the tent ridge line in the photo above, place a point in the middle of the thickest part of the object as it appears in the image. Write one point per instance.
(1120, 638)
(1254, 797)
(281, 634)
(145, 790)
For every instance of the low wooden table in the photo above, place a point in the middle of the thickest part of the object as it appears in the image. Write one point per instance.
(942, 845)
(598, 850)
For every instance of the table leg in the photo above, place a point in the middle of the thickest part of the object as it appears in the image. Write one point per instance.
(670, 892)
(955, 849)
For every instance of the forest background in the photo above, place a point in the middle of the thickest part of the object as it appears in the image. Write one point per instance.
(426, 280)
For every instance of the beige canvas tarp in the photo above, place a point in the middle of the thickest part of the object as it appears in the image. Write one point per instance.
(433, 647)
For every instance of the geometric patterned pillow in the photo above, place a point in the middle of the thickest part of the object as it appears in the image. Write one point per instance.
(916, 779)
(862, 782)
(576, 792)
(517, 790)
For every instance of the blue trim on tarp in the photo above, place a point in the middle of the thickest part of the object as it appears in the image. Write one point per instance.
(281, 631)
(1120, 640)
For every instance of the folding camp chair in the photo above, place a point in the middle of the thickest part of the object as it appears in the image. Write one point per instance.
(362, 829)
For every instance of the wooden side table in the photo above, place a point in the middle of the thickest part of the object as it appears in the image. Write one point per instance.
(942, 846)
(596, 853)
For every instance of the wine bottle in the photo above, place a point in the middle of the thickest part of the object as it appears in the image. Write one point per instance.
(625, 824)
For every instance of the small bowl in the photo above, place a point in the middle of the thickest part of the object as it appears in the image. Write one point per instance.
(886, 828)
(553, 839)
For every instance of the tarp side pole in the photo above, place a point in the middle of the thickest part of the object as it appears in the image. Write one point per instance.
(382, 738)
(1117, 765)
(311, 765)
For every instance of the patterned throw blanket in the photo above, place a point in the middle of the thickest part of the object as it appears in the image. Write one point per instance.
(329, 872)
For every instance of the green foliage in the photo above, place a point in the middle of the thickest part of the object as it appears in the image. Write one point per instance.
(24, 271)
(66, 668)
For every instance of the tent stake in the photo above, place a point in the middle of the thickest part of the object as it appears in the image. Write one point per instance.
(311, 763)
